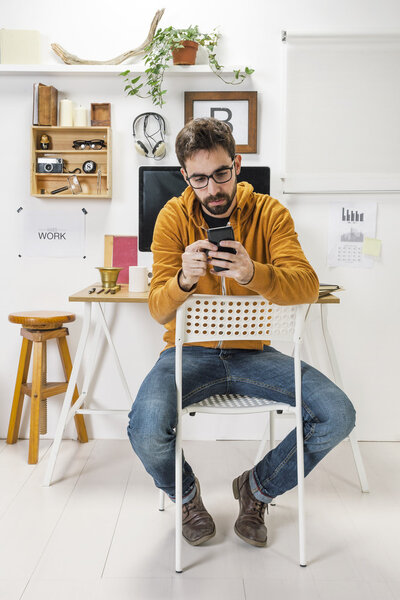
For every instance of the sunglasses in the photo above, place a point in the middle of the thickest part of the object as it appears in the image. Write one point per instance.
(92, 144)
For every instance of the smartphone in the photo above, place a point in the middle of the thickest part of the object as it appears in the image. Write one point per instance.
(218, 234)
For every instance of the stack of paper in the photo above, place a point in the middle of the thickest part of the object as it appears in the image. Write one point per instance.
(328, 288)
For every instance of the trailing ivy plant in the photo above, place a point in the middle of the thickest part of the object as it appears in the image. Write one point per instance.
(158, 55)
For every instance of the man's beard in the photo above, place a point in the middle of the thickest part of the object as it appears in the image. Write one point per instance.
(220, 209)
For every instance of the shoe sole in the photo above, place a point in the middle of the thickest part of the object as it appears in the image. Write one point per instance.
(201, 540)
(235, 489)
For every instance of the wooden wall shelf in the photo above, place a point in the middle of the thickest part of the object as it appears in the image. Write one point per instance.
(61, 146)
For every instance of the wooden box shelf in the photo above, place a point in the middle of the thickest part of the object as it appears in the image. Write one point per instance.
(61, 146)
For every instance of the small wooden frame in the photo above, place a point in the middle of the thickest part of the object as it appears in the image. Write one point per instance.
(237, 109)
(100, 114)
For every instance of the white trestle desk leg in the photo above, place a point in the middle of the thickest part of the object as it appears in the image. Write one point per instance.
(115, 355)
(92, 357)
(359, 462)
(63, 418)
(338, 380)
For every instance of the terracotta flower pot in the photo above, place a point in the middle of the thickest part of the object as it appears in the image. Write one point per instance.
(186, 55)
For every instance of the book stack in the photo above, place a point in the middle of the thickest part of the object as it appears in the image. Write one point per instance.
(45, 101)
(328, 288)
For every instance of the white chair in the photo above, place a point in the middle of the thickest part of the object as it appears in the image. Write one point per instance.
(213, 318)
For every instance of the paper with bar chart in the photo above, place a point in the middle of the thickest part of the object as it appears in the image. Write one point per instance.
(349, 224)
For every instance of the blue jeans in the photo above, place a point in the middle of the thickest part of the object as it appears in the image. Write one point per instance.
(328, 414)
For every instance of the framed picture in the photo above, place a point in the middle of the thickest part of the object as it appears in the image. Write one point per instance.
(237, 109)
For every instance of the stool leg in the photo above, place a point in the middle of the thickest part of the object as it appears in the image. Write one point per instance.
(18, 400)
(67, 366)
(38, 376)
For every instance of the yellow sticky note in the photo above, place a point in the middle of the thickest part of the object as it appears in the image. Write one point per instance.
(372, 246)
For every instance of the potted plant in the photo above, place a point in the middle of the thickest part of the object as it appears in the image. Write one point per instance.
(159, 53)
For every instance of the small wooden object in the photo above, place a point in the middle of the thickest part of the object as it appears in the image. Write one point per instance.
(45, 104)
(37, 328)
(100, 114)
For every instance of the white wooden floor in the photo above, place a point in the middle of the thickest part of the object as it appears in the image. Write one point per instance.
(96, 533)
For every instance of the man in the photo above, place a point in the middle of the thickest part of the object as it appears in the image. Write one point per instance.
(268, 261)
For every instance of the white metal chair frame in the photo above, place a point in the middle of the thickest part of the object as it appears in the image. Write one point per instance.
(216, 318)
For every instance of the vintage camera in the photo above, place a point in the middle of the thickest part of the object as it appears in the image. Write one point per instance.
(50, 165)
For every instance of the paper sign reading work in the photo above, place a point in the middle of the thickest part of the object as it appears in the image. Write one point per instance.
(53, 232)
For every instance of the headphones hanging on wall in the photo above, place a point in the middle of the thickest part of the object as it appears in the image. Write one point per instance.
(153, 149)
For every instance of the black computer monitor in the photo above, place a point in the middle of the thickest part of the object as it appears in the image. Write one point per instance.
(157, 185)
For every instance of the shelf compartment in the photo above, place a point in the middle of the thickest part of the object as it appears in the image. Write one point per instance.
(72, 196)
(69, 174)
(61, 139)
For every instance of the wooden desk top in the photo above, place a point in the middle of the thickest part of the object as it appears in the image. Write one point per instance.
(328, 299)
(124, 295)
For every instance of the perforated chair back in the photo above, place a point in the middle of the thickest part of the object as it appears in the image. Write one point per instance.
(206, 318)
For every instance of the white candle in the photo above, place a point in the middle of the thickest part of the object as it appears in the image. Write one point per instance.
(80, 118)
(66, 113)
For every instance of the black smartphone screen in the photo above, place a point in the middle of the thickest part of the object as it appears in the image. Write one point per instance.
(218, 234)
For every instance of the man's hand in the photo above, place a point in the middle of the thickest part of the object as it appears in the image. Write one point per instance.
(194, 263)
(238, 266)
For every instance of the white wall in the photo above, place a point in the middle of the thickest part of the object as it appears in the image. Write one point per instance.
(363, 327)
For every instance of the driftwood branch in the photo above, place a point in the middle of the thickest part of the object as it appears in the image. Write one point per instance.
(71, 59)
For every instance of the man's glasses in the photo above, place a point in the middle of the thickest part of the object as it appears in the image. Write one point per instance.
(223, 175)
(92, 144)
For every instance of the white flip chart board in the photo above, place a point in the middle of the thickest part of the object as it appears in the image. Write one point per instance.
(341, 114)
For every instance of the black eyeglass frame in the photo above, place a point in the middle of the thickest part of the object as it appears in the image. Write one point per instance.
(208, 177)
(76, 144)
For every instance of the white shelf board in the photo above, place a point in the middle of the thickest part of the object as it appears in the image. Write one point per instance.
(99, 69)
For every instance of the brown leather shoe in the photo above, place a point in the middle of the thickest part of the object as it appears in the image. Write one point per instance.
(249, 525)
(197, 524)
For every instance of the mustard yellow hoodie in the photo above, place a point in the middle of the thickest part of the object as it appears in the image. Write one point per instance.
(262, 225)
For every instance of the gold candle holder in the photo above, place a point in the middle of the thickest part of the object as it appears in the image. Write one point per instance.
(109, 276)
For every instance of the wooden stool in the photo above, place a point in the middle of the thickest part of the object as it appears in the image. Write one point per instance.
(38, 327)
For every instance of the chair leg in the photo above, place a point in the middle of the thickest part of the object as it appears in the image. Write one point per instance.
(161, 500)
(38, 378)
(300, 491)
(178, 499)
(67, 366)
(268, 431)
(263, 442)
(359, 462)
(18, 399)
(272, 430)
(300, 457)
(272, 438)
